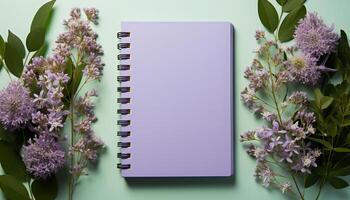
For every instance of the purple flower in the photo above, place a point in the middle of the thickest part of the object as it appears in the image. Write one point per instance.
(248, 136)
(88, 147)
(314, 37)
(75, 13)
(43, 156)
(285, 187)
(291, 146)
(91, 14)
(248, 96)
(85, 106)
(80, 38)
(259, 35)
(260, 154)
(303, 69)
(298, 97)
(265, 174)
(49, 101)
(257, 77)
(16, 106)
(268, 116)
(94, 68)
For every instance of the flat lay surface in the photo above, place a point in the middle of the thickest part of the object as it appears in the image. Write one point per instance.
(105, 182)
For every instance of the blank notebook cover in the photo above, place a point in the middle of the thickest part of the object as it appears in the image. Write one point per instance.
(175, 99)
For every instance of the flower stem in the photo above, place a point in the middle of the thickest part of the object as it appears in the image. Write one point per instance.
(319, 190)
(71, 164)
(71, 178)
(30, 190)
(298, 189)
(274, 95)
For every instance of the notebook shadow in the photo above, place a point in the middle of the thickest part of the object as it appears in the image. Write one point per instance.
(199, 182)
(166, 182)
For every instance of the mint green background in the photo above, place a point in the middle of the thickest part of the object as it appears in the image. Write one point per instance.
(105, 182)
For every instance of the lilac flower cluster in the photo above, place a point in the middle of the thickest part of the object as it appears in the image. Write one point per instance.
(16, 106)
(284, 142)
(314, 37)
(49, 77)
(81, 37)
(43, 156)
(87, 145)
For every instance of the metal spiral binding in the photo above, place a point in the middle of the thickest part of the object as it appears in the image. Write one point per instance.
(123, 100)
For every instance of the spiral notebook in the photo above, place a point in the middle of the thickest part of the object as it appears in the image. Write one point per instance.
(176, 104)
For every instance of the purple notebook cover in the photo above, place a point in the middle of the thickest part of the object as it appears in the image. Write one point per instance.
(181, 99)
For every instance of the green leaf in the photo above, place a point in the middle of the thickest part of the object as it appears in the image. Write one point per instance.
(338, 183)
(342, 150)
(12, 188)
(318, 97)
(14, 41)
(42, 15)
(268, 15)
(348, 139)
(343, 48)
(345, 123)
(281, 2)
(292, 4)
(289, 23)
(310, 180)
(325, 102)
(345, 171)
(35, 39)
(5, 136)
(45, 189)
(1, 65)
(332, 129)
(323, 142)
(14, 54)
(78, 76)
(41, 51)
(69, 70)
(2, 46)
(322, 101)
(11, 161)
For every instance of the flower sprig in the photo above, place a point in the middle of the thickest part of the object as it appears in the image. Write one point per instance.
(46, 97)
(277, 76)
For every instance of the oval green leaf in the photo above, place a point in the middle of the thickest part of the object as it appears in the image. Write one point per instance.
(11, 161)
(326, 102)
(35, 39)
(1, 65)
(14, 54)
(321, 141)
(42, 15)
(12, 188)
(268, 15)
(310, 180)
(45, 189)
(2, 46)
(345, 171)
(342, 150)
(289, 24)
(292, 4)
(338, 183)
(343, 48)
(14, 41)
